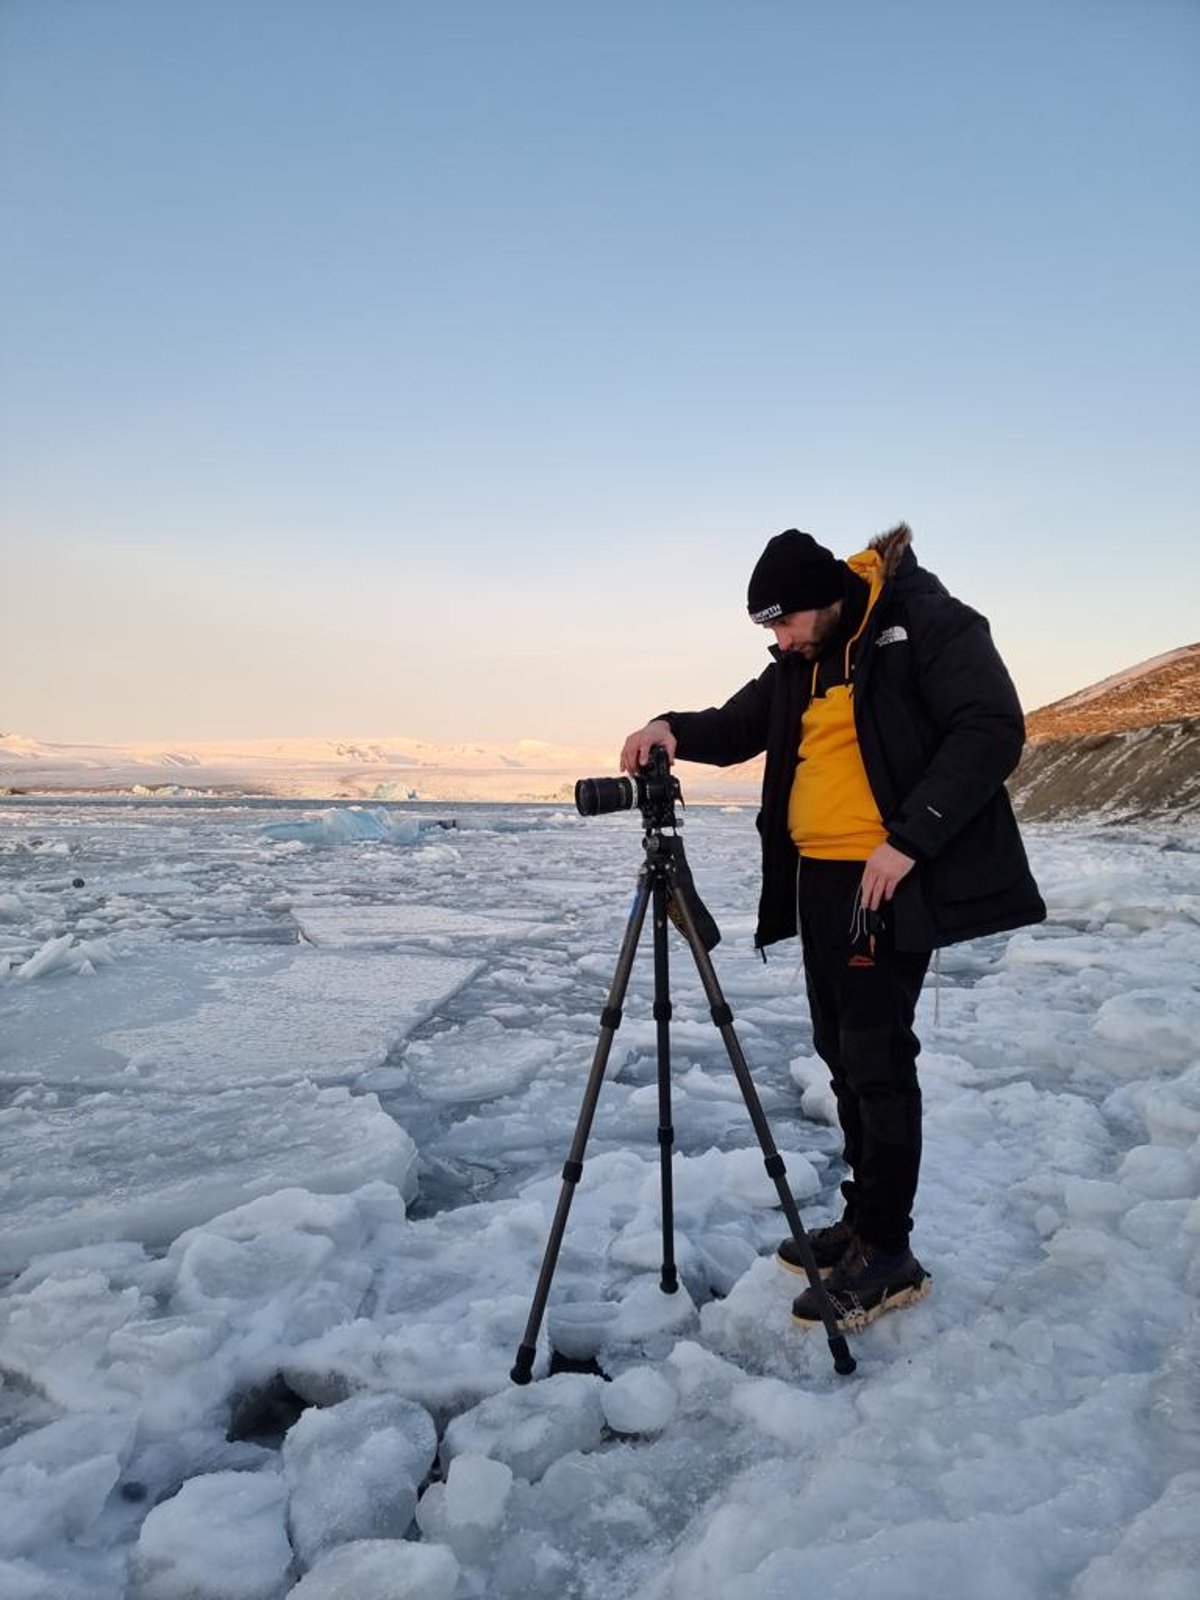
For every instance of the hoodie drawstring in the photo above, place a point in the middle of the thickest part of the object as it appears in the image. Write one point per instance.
(937, 986)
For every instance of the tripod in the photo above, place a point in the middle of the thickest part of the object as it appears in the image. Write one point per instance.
(666, 880)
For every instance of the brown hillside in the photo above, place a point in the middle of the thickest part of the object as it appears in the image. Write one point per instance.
(1165, 689)
(1126, 749)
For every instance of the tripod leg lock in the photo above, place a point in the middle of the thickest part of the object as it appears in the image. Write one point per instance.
(662, 1011)
(572, 1171)
(775, 1166)
(722, 1015)
(610, 1017)
(666, 1135)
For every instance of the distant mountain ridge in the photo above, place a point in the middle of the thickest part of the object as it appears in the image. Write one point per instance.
(354, 769)
(1125, 749)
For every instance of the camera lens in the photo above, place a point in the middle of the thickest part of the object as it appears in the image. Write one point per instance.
(595, 797)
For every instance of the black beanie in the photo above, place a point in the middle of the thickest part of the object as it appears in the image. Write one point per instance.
(794, 573)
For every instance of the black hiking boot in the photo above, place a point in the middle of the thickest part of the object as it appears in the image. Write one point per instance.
(866, 1283)
(829, 1245)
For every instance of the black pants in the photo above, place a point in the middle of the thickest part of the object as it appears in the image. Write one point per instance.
(862, 1004)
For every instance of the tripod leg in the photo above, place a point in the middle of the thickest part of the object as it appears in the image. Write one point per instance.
(610, 1021)
(843, 1361)
(666, 1132)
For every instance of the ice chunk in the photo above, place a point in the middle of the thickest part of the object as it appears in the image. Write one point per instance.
(1176, 1399)
(214, 1269)
(1170, 1109)
(55, 1481)
(146, 1164)
(581, 1328)
(724, 1258)
(528, 1428)
(1158, 1555)
(222, 1537)
(477, 1491)
(354, 1470)
(290, 1260)
(55, 1327)
(701, 1085)
(740, 1176)
(795, 1416)
(811, 1077)
(342, 927)
(326, 1015)
(476, 1063)
(578, 1503)
(61, 954)
(750, 1325)
(649, 1319)
(346, 825)
(1160, 1226)
(639, 1401)
(24, 1580)
(1095, 1199)
(467, 1510)
(381, 1569)
(347, 1219)
(1164, 1020)
(1159, 1172)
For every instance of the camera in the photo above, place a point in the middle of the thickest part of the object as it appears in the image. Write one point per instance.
(653, 789)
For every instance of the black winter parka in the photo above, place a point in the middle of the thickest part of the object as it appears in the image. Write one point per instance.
(940, 728)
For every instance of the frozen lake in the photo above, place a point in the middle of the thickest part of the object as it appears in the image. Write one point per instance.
(284, 1100)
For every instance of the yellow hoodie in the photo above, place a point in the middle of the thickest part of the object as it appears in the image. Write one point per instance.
(832, 813)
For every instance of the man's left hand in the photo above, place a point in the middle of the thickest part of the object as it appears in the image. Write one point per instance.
(882, 871)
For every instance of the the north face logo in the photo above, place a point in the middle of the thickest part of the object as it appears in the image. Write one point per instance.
(891, 636)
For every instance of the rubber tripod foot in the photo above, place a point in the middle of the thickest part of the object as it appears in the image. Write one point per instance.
(843, 1362)
(522, 1368)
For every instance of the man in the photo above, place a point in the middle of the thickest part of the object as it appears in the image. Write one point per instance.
(889, 724)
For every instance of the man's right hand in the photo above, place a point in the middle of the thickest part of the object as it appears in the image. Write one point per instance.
(635, 752)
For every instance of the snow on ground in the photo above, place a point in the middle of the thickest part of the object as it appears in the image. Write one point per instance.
(283, 1110)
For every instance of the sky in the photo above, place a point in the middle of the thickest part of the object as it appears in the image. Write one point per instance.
(440, 369)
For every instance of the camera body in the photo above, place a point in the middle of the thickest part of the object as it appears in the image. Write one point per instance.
(653, 790)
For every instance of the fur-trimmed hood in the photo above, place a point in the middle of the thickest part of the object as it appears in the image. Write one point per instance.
(890, 548)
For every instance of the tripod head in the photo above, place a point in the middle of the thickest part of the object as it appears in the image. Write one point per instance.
(658, 791)
(653, 789)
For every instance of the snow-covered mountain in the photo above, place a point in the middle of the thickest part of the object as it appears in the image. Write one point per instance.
(1127, 748)
(357, 769)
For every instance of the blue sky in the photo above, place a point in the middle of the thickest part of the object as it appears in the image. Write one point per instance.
(440, 369)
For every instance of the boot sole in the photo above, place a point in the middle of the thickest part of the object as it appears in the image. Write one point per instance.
(856, 1321)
